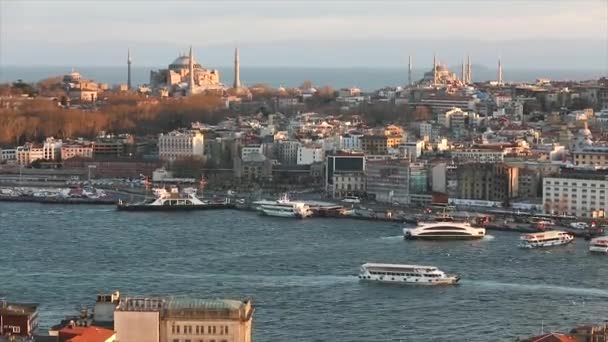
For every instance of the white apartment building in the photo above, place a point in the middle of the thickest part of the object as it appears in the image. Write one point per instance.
(575, 196)
(49, 150)
(351, 142)
(77, 150)
(310, 155)
(348, 184)
(177, 145)
(479, 156)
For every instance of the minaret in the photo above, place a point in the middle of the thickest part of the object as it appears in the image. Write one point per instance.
(191, 72)
(469, 70)
(499, 73)
(434, 69)
(409, 71)
(237, 70)
(462, 75)
(129, 69)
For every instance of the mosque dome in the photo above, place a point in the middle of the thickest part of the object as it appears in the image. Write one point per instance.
(442, 67)
(182, 62)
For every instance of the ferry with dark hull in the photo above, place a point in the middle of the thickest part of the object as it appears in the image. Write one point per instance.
(173, 200)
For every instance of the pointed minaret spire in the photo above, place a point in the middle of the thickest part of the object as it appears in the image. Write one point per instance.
(499, 73)
(434, 69)
(469, 70)
(191, 72)
(463, 77)
(409, 71)
(237, 69)
(128, 69)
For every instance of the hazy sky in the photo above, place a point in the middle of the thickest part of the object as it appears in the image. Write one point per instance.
(535, 33)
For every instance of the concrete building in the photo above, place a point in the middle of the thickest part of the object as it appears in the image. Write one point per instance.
(343, 172)
(8, 154)
(418, 178)
(478, 156)
(388, 181)
(426, 130)
(412, 149)
(351, 142)
(310, 155)
(485, 181)
(49, 150)
(576, 192)
(591, 156)
(217, 320)
(178, 145)
(374, 144)
(76, 150)
(247, 150)
(287, 151)
(253, 167)
(18, 319)
(137, 319)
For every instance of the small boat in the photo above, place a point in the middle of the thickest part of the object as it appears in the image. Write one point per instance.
(406, 274)
(545, 239)
(444, 228)
(599, 244)
(284, 207)
(173, 200)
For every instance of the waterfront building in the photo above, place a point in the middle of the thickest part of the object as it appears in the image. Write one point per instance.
(342, 170)
(86, 334)
(50, 150)
(577, 192)
(137, 319)
(252, 167)
(220, 320)
(76, 150)
(18, 319)
(184, 76)
(418, 178)
(388, 180)
(105, 305)
(483, 181)
(180, 144)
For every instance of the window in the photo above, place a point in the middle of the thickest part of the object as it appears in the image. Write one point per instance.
(214, 331)
(175, 340)
(173, 329)
(177, 329)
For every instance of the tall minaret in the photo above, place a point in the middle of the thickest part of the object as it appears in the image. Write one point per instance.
(191, 72)
(128, 69)
(409, 71)
(434, 69)
(499, 73)
(237, 70)
(469, 70)
(462, 74)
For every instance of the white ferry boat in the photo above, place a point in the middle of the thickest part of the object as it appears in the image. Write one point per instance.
(406, 274)
(545, 239)
(599, 244)
(173, 200)
(444, 230)
(284, 207)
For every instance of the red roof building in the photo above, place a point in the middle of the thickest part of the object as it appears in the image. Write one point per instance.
(86, 334)
(551, 337)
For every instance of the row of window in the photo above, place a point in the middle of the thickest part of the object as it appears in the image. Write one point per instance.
(593, 185)
(199, 329)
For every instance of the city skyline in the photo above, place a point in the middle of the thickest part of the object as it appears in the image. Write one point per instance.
(293, 34)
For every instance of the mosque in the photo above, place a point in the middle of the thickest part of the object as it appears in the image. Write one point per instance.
(184, 76)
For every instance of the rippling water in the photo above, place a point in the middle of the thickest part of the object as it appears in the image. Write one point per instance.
(300, 274)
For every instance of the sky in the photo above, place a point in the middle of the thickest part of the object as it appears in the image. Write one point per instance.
(560, 34)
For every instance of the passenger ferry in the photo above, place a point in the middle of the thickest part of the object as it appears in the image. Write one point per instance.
(545, 239)
(173, 200)
(444, 228)
(284, 207)
(599, 244)
(406, 274)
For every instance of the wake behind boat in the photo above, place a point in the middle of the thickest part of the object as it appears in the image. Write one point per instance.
(406, 274)
(174, 200)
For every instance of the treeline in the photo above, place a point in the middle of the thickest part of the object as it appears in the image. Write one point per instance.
(35, 119)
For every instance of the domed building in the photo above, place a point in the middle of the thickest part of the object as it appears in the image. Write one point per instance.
(184, 76)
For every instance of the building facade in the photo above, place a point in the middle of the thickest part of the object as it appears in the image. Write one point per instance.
(179, 145)
(374, 144)
(581, 194)
(310, 155)
(343, 172)
(478, 156)
(484, 181)
(18, 319)
(137, 319)
(76, 150)
(388, 181)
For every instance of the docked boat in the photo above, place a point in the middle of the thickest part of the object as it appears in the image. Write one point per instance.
(599, 244)
(444, 228)
(173, 200)
(545, 239)
(284, 207)
(406, 274)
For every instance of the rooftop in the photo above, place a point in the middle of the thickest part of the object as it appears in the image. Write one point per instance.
(204, 304)
(17, 308)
